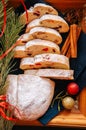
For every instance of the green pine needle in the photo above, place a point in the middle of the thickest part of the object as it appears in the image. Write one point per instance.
(10, 36)
(1, 13)
(6, 125)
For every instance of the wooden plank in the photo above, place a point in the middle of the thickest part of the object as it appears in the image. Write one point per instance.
(59, 4)
(67, 4)
(72, 118)
(66, 118)
(82, 101)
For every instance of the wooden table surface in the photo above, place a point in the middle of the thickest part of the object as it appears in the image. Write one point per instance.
(67, 4)
(65, 118)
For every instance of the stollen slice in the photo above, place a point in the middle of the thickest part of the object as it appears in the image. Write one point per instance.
(37, 11)
(45, 34)
(20, 52)
(61, 74)
(38, 46)
(44, 61)
(40, 33)
(54, 21)
(42, 9)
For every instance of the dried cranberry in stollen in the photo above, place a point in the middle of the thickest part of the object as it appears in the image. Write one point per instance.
(45, 49)
(72, 88)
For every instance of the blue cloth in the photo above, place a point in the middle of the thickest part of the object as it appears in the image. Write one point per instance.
(78, 65)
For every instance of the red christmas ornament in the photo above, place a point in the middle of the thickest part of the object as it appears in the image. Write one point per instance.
(72, 88)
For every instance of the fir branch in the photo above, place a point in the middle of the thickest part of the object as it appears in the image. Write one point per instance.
(4, 123)
(2, 12)
(10, 36)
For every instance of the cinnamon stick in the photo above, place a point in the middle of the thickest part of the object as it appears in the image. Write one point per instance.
(75, 31)
(66, 45)
(68, 54)
(78, 32)
(69, 48)
(73, 40)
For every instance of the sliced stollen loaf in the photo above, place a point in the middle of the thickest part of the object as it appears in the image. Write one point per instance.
(31, 16)
(37, 11)
(52, 73)
(54, 21)
(38, 46)
(45, 60)
(23, 39)
(42, 9)
(32, 24)
(34, 47)
(41, 33)
(51, 21)
(20, 52)
(28, 94)
(12, 89)
(45, 34)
